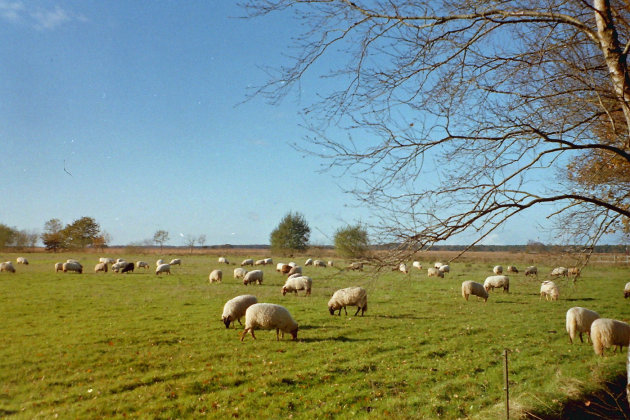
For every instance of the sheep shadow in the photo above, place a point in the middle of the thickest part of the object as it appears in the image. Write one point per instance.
(341, 338)
(586, 299)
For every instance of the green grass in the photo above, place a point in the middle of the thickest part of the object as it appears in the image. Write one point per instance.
(139, 345)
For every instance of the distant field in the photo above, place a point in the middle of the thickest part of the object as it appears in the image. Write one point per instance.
(138, 345)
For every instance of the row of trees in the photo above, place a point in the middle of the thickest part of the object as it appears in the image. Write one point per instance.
(10, 236)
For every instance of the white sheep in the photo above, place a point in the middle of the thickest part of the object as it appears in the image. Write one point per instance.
(268, 261)
(142, 264)
(239, 273)
(159, 262)
(470, 287)
(606, 332)
(308, 262)
(356, 266)
(72, 266)
(579, 321)
(118, 260)
(549, 289)
(22, 260)
(292, 264)
(402, 267)
(435, 272)
(58, 267)
(531, 271)
(319, 263)
(118, 265)
(7, 266)
(223, 260)
(437, 265)
(445, 269)
(497, 281)
(267, 316)
(560, 271)
(626, 290)
(416, 264)
(330, 263)
(106, 260)
(163, 268)
(176, 261)
(350, 296)
(279, 266)
(295, 283)
(260, 262)
(100, 267)
(70, 260)
(512, 269)
(215, 276)
(253, 276)
(294, 270)
(235, 308)
(497, 270)
(247, 261)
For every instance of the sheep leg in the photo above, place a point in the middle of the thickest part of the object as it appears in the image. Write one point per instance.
(357, 312)
(581, 339)
(344, 309)
(243, 334)
(278, 334)
(252, 331)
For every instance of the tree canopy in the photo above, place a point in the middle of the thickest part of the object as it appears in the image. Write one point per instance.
(291, 234)
(459, 115)
(81, 233)
(352, 241)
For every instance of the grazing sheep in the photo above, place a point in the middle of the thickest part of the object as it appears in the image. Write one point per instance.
(58, 267)
(285, 268)
(22, 260)
(70, 260)
(239, 273)
(267, 316)
(498, 269)
(72, 266)
(120, 260)
(235, 308)
(293, 284)
(294, 270)
(176, 261)
(497, 281)
(7, 266)
(531, 271)
(292, 264)
(606, 332)
(247, 261)
(142, 264)
(350, 296)
(309, 261)
(437, 265)
(253, 276)
(223, 260)
(579, 321)
(260, 262)
(215, 276)
(100, 267)
(574, 272)
(416, 264)
(330, 263)
(106, 260)
(549, 289)
(560, 271)
(127, 267)
(512, 269)
(319, 263)
(445, 269)
(402, 267)
(163, 268)
(473, 288)
(356, 266)
(279, 266)
(626, 290)
(268, 261)
(435, 272)
(159, 262)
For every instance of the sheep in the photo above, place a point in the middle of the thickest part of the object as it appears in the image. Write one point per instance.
(350, 296)
(176, 261)
(223, 260)
(497, 270)
(330, 263)
(100, 267)
(268, 261)
(163, 268)
(626, 290)
(606, 332)
(416, 264)
(253, 276)
(574, 272)
(247, 261)
(292, 264)
(142, 264)
(7, 266)
(308, 262)
(434, 272)
(512, 269)
(559, 271)
(120, 260)
(268, 316)
(125, 267)
(293, 284)
(72, 266)
(215, 276)
(279, 266)
(319, 263)
(159, 262)
(58, 267)
(117, 266)
(437, 265)
(579, 321)
(239, 273)
(549, 289)
(260, 262)
(470, 287)
(445, 269)
(106, 260)
(402, 267)
(497, 281)
(70, 260)
(285, 268)
(356, 266)
(235, 308)
(531, 271)
(22, 260)
(294, 270)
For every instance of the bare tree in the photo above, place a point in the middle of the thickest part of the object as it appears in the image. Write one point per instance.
(455, 111)
(190, 241)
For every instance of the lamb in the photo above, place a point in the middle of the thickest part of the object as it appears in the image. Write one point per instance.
(579, 321)
(549, 289)
(163, 268)
(416, 264)
(473, 288)
(435, 272)
(100, 267)
(497, 281)
(22, 260)
(294, 270)
(260, 262)
(293, 284)
(403, 268)
(437, 265)
(319, 263)
(58, 267)
(531, 271)
(239, 273)
(235, 308)
(176, 261)
(253, 276)
(248, 261)
(626, 290)
(512, 269)
(606, 332)
(356, 266)
(7, 266)
(267, 316)
(350, 296)
(445, 269)
(497, 270)
(142, 264)
(72, 266)
(559, 271)
(223, 260)
(308, 262)
(215, 276)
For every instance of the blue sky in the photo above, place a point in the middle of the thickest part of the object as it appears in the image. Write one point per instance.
(128, 112)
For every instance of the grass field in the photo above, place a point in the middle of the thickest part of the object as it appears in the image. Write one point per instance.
(138, 345)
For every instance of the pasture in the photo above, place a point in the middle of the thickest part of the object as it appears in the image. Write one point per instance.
(139, 345)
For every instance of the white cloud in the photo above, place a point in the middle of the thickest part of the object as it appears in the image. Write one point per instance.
(38, 18)
(11, 10)
(50, 19)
